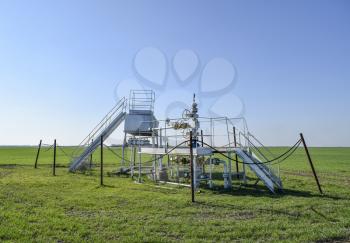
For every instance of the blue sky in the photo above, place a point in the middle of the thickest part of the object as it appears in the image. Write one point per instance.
(60, 62)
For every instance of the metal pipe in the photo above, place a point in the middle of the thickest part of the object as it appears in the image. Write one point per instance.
(123, 150)
(139, 180)
(202, 142)
(229, 170)
(210, 172)
(228, 132)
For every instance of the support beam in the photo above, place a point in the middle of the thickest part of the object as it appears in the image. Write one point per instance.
(37, 155)
(310, 161)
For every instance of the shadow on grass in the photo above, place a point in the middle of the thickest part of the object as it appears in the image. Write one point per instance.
(270, 210)
(262, 191)
(105, 186)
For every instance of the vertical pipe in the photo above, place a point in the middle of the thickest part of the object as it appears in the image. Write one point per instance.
(202, 142)
(37, 155)
(160, 138)
(311, 164)
(123, 150)
(139, 178)
(166, 144)
(236, 157)
(154, 157)
(191, 167)
(54, 158)
(229, 165)
(210, 172)
(165, 134)
(160, 159)
(228, 133)
(101, 166)
(242, 147)
(134, 156)
(211, 132)
(168, 156)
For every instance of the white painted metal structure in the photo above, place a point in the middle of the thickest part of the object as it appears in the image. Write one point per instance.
(221, 140)
(168, 144)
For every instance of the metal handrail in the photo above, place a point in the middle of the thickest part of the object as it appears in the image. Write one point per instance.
(139, 99)
(117, 109)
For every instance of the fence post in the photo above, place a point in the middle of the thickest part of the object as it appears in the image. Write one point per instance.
(101, 169)
(235, 144)
(191, 165)
(311, 164)
(54, 158)
(37, 155)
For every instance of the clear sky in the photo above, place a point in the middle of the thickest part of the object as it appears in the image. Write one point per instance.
(60, 62)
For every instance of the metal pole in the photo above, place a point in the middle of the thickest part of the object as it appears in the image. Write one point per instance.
(54, 158)
(101, 169)
(211, 132)
(235, 144)
(139, 178)
(123, 151)
(202, 140)
(229, 165)
(133, 161)
(37, 155)
(311, 164)
(210, 172)
(191, 165)
(168, 156)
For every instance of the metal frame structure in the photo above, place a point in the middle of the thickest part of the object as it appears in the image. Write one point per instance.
(167, 142)
(184, 147)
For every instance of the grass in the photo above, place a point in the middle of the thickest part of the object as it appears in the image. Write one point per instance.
(38, 207)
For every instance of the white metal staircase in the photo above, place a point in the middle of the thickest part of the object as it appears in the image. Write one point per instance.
(263, 172)
(105, 128)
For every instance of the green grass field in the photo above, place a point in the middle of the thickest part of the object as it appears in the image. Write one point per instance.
(38, 207)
